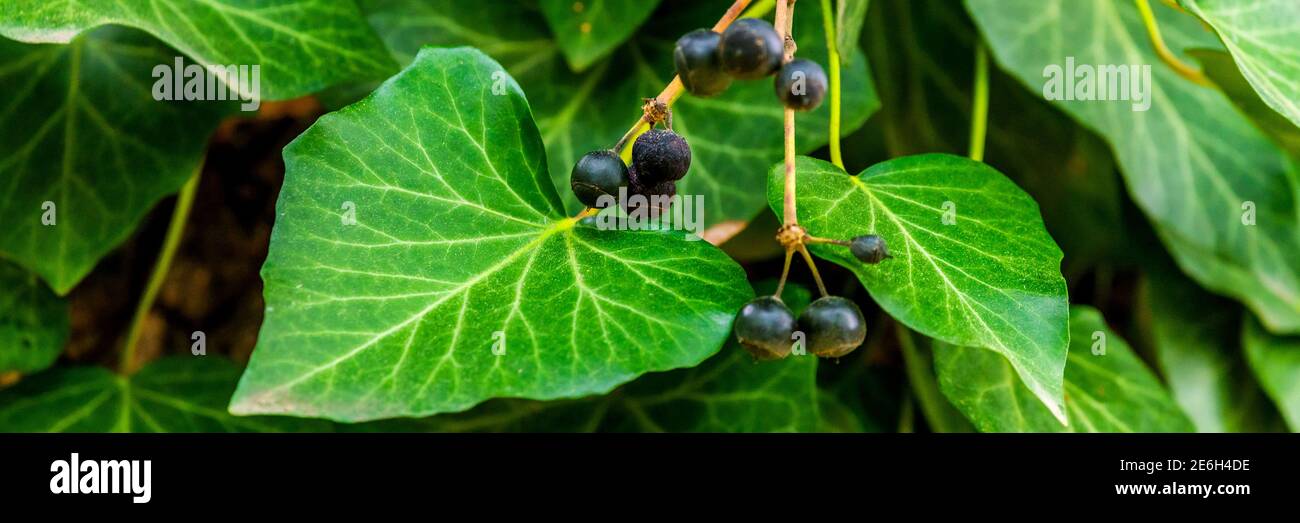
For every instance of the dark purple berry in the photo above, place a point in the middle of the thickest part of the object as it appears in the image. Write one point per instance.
(598, 173)
(801, 84)
(660, 155)
(833, 325)
(698, 64)
(869, 248)
(765, 328)
(750, 49)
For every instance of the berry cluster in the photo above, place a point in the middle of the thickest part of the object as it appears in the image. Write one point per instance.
(833, 326)
(660, 157)
(749, 49)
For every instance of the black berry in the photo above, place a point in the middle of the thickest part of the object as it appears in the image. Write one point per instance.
(750, 49)
(833, 326)
(598, 173)
(765, 327)
(698, 65)
(658, 198)
(869, 248)
(801, 84)
(660, 155)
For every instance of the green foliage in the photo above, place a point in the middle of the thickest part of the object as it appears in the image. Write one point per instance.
(1276, 362)
(1264, 37)
(460, 243)
(581, 112)
(178, 394)
(33, 322)
(301, 45)
(84, 133)
(587, 30)
(1106, 390)
(1192, 162)
(972, 263)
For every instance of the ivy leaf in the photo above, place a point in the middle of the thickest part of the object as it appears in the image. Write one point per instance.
(1198, 346)
(176, 394)
(1276, 362)
(587, 30)
(33, 322)
(301, 46)
(1264, 39)
(87, 146)
(1110, 392)
(733, 136)
(1220, 68)
(461, 251)
(1192, 162)
(989, 279)
(729, 392)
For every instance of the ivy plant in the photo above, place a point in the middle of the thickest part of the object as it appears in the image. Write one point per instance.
(490, 221)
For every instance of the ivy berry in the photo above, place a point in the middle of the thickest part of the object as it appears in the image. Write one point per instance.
(598, 173)
(869, 248)
(660, 155)
(698, 63)
(801, 84)
(750, 49)
(834, 326)
(765, 327)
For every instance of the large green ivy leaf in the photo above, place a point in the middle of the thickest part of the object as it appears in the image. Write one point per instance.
(729, 392)
(1264, 38)
(1276, 362)
(587, 30)
(33, 322)
(460, 245)
(86, 145)
(734, 137)
(989, 277)
(177, 394)
(1110, 392)
(1192, 162)
(1198, 346)
(301, 46)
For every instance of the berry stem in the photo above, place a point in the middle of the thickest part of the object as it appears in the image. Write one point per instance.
(812, 266)
(785, 272)
(674, 89)
(814, 239)
(175, 230)
(979, 119)
(784, 22)
(1158, 42)
(828, 23)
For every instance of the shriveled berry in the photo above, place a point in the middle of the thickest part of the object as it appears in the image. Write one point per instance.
(658, 198)
(698, 65)
(869, 248)
(765, 328)
(598, 173)
(801, 84)
(833, 325)
(750, 49)
(660, 155)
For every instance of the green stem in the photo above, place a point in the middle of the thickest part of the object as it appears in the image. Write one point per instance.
(920, 375)
(1167, 56)
(979, 120)
(173, 240)
(828, 22)
(760, 9)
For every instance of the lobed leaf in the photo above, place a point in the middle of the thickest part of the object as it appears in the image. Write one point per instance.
(988, 278)
(460, 245)
(87, 150)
